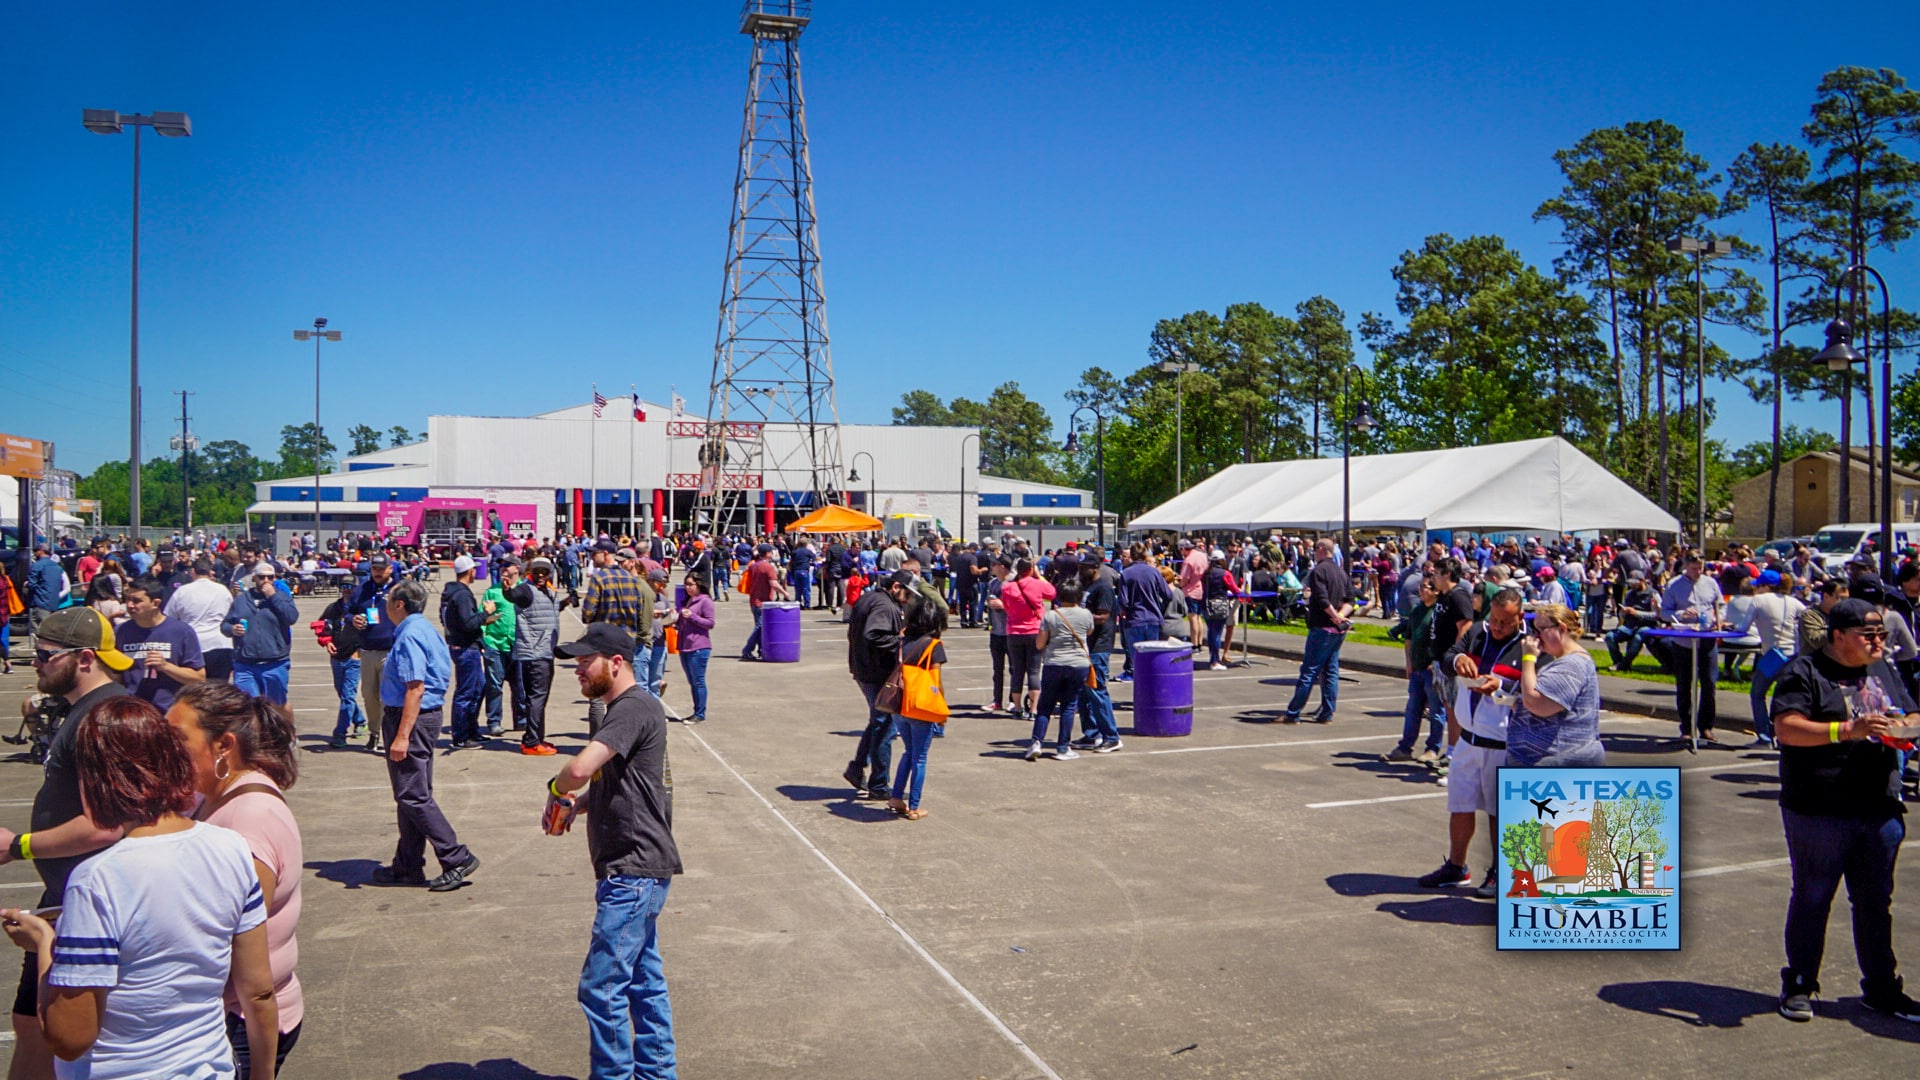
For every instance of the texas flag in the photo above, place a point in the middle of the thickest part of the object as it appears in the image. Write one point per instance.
(639, 413)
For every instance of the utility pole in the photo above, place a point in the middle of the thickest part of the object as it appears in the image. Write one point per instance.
(186, 443)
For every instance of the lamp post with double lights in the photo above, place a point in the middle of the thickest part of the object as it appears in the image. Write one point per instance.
(1701, 250)
(853, 477)
(1362, 422)
(1839, 355)
(318, 334)
(1180, 369)
(172, 125)
(1099, 461)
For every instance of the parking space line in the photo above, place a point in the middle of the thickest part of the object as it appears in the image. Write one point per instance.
(1370, 802)
(1264, 745)
(1735, 868)
(912, 943)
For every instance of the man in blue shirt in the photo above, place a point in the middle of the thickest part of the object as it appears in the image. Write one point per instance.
(44, 587)
(368, 603)
(413, 689)
(1693, 601)
(1142, 600)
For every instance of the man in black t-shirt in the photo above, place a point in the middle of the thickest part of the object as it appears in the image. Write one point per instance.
(1096, 704)
(1452, 616)
(1840, 804)
(629, 808)
(1329, 597)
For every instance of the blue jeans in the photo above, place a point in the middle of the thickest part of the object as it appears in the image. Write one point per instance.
(657, 664)
(1133, 635)
(1596, 608)
(346, 684)
(1096, 705)
(916, 736)
(496, 665)
(469, 685)
(875, 752)
(752, 647)
(1826, 850)
(694, 665)
(1320, 666)
(1060, 688)
(1765, 670)
(722, 579)
(1216, 628)
(1421, 703)
(803, 590)
(623, 988)
(1624, 644)
(263, 680)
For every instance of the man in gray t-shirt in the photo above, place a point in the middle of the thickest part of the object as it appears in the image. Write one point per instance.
(630, 837)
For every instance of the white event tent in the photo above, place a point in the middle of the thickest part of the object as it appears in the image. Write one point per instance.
(1538, 485)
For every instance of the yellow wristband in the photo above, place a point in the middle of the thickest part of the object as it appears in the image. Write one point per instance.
(1833, 731)
(26, 846)
(553, 788)
(1528, 658)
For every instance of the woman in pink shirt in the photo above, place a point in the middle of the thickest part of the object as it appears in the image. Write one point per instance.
(1024, 596)
(243, 759)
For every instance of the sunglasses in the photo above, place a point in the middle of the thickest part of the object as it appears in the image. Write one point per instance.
(1871, 633)
(44, 656)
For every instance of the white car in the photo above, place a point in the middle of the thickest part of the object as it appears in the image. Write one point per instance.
(1836, 544)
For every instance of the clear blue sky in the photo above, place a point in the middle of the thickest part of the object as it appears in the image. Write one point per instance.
(499, 204)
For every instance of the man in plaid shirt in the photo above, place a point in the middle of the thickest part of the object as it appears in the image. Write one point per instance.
(615, 594)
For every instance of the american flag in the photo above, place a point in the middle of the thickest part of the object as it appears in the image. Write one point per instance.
(599, 403)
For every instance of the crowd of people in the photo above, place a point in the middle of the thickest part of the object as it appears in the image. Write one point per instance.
(176, 747)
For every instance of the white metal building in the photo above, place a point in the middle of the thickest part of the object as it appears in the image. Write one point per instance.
(623, 475)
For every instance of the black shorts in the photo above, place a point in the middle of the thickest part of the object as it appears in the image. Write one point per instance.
(26, 1000)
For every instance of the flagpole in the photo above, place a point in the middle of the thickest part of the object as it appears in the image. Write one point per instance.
(593, 470)
(633, 417)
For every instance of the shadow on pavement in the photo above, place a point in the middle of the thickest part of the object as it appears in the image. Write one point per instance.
(868, 812)
(1698, 1004)
(1456, 910)
(1407, 772)
(494, 1069)
(352, 873)
(813, 792)
(1623, 743)
(1377, 885)
(1886, 1027)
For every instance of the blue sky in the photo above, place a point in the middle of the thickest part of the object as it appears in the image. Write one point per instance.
(500, 204)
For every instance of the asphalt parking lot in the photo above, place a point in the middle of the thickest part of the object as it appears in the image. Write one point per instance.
(1236, 903)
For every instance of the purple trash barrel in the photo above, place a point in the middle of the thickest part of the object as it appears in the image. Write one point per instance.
(1163, 688)
(780, 632)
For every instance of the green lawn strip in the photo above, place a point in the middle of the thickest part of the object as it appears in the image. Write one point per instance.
(1376, 634)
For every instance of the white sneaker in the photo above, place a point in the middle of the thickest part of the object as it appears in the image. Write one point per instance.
(1218, 667)
(1033, 752)
(1107, 747)
(1064, 755)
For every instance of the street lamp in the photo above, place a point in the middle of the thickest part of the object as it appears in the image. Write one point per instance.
(1099, 460)
(1839, 355)
(1362, 422)
(1180, 369)
(318, 334)
(853, 477)
(963, 480)
(1701, 250)
(172, 125)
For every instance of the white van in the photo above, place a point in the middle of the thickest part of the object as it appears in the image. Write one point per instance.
(1835, 544)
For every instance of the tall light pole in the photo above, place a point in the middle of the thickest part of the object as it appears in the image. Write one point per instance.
(1099, 461)
(1180, 369)
(185, 442)
(318, 333)
(1362, 422)
(963, 480)
(853, 477)
(172, 125)
(1701, 250)
(1840, 356)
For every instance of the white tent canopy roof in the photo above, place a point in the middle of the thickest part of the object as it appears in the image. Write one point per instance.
(1543, 485)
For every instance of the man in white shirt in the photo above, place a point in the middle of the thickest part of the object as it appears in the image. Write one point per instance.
(202, 604)
(1774, 617)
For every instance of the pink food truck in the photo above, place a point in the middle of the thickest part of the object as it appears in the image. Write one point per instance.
(436, 525)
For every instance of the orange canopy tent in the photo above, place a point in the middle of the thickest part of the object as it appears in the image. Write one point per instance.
(836, 519)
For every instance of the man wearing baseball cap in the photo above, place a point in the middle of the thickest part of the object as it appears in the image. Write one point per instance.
(464, 622)
(76, 660)
(368, 603)
(629, 808)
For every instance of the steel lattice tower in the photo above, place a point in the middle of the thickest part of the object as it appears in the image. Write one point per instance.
(771, 409)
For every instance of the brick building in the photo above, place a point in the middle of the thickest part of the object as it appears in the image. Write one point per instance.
(1809, 496)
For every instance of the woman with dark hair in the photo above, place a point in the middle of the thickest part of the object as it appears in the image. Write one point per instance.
(1024, 597)
(921, 648)
(152, 929)
(242, 749)
(696, 643)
